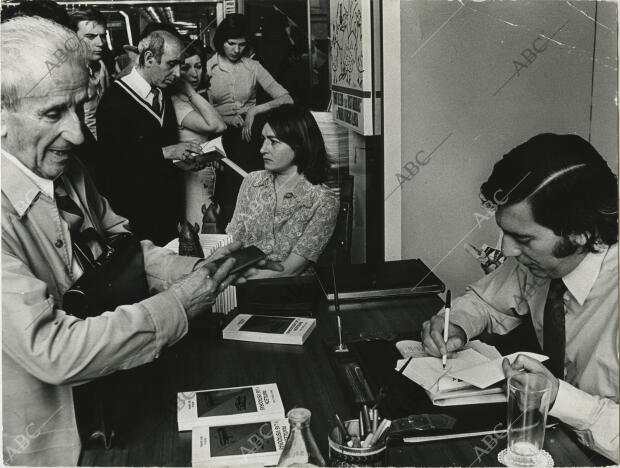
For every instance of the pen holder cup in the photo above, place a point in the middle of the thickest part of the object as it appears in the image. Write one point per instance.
(342, 455)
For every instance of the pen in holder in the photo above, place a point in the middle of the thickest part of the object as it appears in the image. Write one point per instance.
(341, 348)
(347, 447)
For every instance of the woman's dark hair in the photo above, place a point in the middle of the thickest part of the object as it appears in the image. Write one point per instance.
(191, 48)
(297, 128)
(234, 26)
(568, 184)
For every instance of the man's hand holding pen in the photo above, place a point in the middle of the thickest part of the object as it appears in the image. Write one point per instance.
(436, 342)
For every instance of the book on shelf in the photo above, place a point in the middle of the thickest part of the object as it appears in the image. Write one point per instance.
(269, 329)
(235, 405)
(248, 444)
(470, 377)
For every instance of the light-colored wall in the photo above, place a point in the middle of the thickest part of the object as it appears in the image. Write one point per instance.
(454, 58)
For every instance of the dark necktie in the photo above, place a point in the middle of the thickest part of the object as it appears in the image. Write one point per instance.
(156, 100)
(69, 209)
(73, 215)
(554, 333)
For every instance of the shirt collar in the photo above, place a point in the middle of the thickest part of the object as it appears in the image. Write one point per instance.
(21, 185)
(300, 189)
(580, 281)
(227, 65)
(138, 84)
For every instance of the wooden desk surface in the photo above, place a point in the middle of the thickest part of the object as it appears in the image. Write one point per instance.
(305, 378)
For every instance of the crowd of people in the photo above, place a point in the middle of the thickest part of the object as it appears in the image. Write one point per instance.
(83, 153)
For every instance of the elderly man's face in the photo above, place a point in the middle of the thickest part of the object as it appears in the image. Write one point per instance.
(164, 73)
(46, 127)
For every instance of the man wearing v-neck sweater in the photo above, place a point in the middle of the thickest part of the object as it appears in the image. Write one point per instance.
(136, 127)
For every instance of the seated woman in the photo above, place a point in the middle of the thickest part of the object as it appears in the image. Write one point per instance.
(285, 210)
(197, 121)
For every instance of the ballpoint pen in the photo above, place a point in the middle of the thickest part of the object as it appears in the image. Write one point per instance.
(446, 325)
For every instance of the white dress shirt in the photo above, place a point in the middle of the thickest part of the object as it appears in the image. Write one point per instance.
(587, 398)
(136, 82)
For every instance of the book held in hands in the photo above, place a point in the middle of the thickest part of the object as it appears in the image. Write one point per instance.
(249, 444)
(269, 329)
(236, 405)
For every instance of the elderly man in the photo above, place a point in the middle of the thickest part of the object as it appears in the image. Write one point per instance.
(90, 26)
(557, 206)
(47, 198)
(137, 132)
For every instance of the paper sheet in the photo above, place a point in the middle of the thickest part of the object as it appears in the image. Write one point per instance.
(486, 374)
(429, 373)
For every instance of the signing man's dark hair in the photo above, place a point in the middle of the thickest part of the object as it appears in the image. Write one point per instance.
(297, 128)
(567, 183)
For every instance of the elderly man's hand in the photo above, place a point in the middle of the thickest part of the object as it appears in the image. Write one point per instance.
(182, 151)
(242, 276)
(198, 290)
(432, 337)
(527, 364)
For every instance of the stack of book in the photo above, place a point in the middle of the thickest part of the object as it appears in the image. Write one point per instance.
(227, 299)
(234, 426)
(336, 138)
(472, 377)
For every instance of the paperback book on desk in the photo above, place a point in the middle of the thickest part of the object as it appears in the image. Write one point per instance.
(250, 444)
(269, 329)
(235, 405)
(469, 377)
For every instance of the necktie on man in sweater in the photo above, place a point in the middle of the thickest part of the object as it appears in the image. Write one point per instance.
(554, 328)
(156, 100)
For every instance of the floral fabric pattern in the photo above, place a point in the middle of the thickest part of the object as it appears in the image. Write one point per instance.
(302, 225)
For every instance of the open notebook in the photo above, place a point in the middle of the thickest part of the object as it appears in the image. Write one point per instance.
(469, 377)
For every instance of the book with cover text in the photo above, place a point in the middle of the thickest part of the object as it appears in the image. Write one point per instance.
(250, 444)
(234, 405)
(269, 329)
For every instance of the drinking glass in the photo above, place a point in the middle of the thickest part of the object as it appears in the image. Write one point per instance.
(528, 404)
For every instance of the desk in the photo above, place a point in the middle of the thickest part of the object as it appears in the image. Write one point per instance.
(305, 378)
